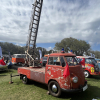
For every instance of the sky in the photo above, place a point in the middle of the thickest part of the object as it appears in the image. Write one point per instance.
(59, 19)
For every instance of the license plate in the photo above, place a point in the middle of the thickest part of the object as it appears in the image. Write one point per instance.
(85, 87)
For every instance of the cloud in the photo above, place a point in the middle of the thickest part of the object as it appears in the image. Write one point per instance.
(49, 48)
(59, 19)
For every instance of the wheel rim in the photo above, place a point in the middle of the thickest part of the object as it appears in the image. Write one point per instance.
(54, 88)
(86, 74)
(24, 79)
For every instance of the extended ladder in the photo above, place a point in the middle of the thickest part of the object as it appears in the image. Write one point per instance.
(33, 28)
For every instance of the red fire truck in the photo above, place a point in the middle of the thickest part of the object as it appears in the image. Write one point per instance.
(52, 74)
(89, 64)
(56, 66)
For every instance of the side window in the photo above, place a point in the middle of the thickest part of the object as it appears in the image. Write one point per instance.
(71, 61)
(50, 62)
(87, 61)
(56, 60)
(62, 61)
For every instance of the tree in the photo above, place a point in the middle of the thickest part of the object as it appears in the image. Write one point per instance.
(13, 49)
(96, 53)
(78, 46)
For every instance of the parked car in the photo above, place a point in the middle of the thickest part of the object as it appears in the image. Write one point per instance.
(89, 64)
(98, 61)
(43, 61)
(18, 59)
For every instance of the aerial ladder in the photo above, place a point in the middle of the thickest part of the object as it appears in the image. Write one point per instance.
(33, 30)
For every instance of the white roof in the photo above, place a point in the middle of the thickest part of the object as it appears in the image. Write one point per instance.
(19, 54)
(84, 57)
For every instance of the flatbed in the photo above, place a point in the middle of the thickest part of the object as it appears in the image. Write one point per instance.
(33, 73)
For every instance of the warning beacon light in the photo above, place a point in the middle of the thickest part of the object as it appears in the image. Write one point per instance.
(62, 51)
(71, 51)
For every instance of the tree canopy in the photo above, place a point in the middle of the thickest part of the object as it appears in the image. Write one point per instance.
(96, 53)
(13, 49)
(77, 46)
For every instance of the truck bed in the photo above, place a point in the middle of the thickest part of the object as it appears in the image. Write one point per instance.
(33, 73)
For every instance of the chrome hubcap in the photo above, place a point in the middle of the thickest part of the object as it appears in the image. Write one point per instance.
(86, 74)
(54, 88)
(24, 78)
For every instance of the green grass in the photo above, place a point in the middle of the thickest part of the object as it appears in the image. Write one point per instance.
(37, 91)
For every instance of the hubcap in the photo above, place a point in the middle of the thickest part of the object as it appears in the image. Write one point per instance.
(86, 74)
(54, 88)
(24, 78)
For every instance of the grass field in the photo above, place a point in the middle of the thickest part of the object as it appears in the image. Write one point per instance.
(37, 91)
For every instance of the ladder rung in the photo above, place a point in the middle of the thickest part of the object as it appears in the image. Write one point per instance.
(35, 23)
(37, 15)
(38, 2)
(37, 11)
(36, 19)
(36, 6)
(32, 40)
(34, 32)
(34, 27)
(33, 36)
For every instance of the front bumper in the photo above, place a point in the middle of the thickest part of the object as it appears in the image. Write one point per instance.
(76, 90)
(95, 73)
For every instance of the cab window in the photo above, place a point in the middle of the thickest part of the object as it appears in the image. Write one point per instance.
(71, 61)
(59, 61)
(54, 61)
(50, 61)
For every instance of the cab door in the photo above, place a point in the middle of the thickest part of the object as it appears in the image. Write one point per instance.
(54, 70)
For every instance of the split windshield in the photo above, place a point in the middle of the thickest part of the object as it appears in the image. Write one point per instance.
(90, 61)
(71, 61)
(19, 56)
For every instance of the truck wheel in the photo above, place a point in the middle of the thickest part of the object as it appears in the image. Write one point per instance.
(87, 74)
(54, 88)
(25, 80)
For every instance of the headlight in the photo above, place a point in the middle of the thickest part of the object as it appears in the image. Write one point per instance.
(75, 79)
(97, 69)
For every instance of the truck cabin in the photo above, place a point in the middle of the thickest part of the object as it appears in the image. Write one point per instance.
(60, 59)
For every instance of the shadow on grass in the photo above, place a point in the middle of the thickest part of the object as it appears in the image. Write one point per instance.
(3, 75)
(89, 94)
(37, 84)
(3, 71)
(6, 71)
(94, 78)
(15, 67)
